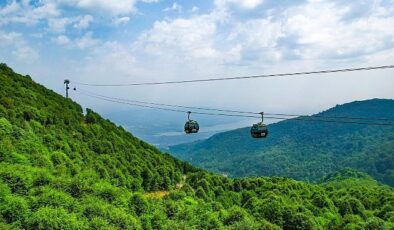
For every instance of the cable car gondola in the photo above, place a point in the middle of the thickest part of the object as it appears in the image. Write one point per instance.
(259, 130)
(190, 125)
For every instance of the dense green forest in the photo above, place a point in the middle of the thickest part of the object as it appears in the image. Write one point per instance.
(61, 168)
(303, 150)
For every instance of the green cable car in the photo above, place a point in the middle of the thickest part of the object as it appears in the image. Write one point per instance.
(259, 130)
(190, 125)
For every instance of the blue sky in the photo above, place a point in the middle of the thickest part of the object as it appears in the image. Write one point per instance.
(100, 41)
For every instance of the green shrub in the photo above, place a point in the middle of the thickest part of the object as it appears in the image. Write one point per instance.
(4, 192)
(5, 127)
(106, 191)
(235, 214)
(42, 177)
(18, 178)
(375, 223)
(49, 197)
(298, 221)
(48, 218)
(14, 209)
(98, 223)
(138, 204)
(272, 211)
(5, 226)
(122, 220)
(93, 207)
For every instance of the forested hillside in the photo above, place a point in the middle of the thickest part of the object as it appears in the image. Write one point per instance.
(63, 169)
(303, 150)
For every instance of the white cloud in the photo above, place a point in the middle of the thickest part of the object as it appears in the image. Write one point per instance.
(37, 35)
(25, 53)
(22, 12)
(150, 1)
(256, 39)
(32, 12)
(325, 30)
(105, 7)
(313, 30)
(62, 40)
(113, 7)
(84, 22)
(320, 31)
(194, 9)
(46, 10)
(181, 38)
(58, 25)
(175, 7)
(110, 54)
(9, 38)
(121, 20)
(86, 41)
(18, 47)
(246, 4)
(10, 8)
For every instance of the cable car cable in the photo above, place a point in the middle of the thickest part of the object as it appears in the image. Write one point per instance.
(171, 105)
(241, 112)
(166, 109)
(244, 77)
(238, 115)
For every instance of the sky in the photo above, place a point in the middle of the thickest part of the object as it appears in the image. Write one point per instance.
(126, 41)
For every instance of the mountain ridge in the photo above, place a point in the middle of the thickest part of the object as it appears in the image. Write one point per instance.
(303, 150)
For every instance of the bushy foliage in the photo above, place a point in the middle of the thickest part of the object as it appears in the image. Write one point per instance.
(61, 169)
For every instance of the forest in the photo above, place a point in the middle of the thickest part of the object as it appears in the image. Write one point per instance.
(304, 150)
(65, 168)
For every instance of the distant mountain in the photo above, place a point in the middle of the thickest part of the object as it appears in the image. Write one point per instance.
(303, 150)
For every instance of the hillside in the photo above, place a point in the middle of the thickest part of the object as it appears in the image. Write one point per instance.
(303, 150)
(61, 168)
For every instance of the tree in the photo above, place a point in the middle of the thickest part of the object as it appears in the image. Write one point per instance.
(48, 218)
(272, 211)
(14, 209)
(201, 193)
(138, 204)
(298, 221)
(375, 223)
